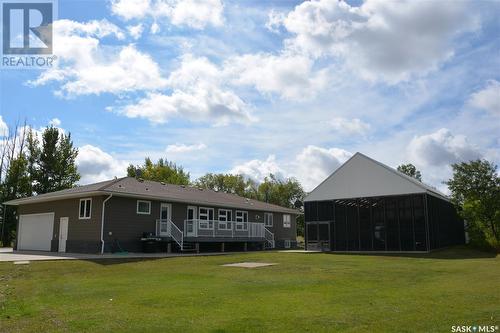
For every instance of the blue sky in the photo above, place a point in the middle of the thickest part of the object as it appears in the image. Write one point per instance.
(255, 87)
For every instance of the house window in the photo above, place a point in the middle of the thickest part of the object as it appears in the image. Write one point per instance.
(268, 219)
(85, 209)
(241, 220)
(286, 221)
(206, 217)
(143, 207)
(225, 219)
(287, 243)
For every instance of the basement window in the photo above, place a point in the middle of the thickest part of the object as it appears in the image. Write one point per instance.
(85, 209)
(143, 207)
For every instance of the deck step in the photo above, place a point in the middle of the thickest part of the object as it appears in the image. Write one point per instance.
(188, 247)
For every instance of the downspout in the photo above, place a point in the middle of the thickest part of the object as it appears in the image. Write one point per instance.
(102, 222)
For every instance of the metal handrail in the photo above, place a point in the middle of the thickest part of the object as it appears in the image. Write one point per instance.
(168, 228)
(269, 237)
(176, 234)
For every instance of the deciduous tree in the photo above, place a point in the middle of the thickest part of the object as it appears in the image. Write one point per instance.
(162, 171)
(475, 188)
(410, 170)
(228, 183)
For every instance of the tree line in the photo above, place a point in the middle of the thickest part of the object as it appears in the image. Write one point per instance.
(36, 162)
(33, 163)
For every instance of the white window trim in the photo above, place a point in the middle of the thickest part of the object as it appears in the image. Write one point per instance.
(241, 224)
(287, 224)
(205, 224)
(143, 213)
(84, 210)
(226, 224)
(266, 220)
(287, 244)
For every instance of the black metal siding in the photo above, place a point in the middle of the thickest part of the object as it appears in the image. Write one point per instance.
(392, 223)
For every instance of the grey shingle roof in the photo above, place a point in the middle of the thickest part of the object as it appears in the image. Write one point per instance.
(83, 189)
(129, 186)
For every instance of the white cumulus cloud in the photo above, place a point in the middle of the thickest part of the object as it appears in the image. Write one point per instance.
(199, 93)
(290, 76)
(95, 165)
(441, 148)
(135, 30)
(181, 148)
(488, 98)
(195, 14)
(310, 166)
(129, 9)
(85, 67)
(385, 40)
(350, 126)
(258, 170)
(55, 122)
(313, 164)
(4, 129)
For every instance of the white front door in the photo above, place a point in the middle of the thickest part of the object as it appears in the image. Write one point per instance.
(63, 233)
(165, 217)
(191, 221)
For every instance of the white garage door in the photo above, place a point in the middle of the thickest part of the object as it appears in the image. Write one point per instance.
(35, 231)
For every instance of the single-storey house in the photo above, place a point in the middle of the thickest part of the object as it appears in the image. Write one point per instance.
(122, 214)
(368, 206)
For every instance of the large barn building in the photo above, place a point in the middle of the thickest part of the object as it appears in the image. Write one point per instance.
(367, 206)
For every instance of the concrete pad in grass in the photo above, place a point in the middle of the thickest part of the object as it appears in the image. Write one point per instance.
(250, 264)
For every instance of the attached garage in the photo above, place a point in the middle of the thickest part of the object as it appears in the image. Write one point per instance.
(35, 231)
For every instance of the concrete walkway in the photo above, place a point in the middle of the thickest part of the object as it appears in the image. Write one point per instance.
(7, 254)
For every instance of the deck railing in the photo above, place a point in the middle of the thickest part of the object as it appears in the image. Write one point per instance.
(213, 229)
(223, 229)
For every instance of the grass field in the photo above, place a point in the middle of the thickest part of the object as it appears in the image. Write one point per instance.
(304, 292)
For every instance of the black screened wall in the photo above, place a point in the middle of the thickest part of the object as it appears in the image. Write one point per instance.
(417, 222)
(445, 226)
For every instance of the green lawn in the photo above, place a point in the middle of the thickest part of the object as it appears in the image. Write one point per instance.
(304, 292)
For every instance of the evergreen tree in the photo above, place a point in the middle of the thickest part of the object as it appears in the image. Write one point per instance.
(67, 174)
(54, 163)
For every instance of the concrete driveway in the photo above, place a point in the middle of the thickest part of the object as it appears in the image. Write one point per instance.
(7, 254)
